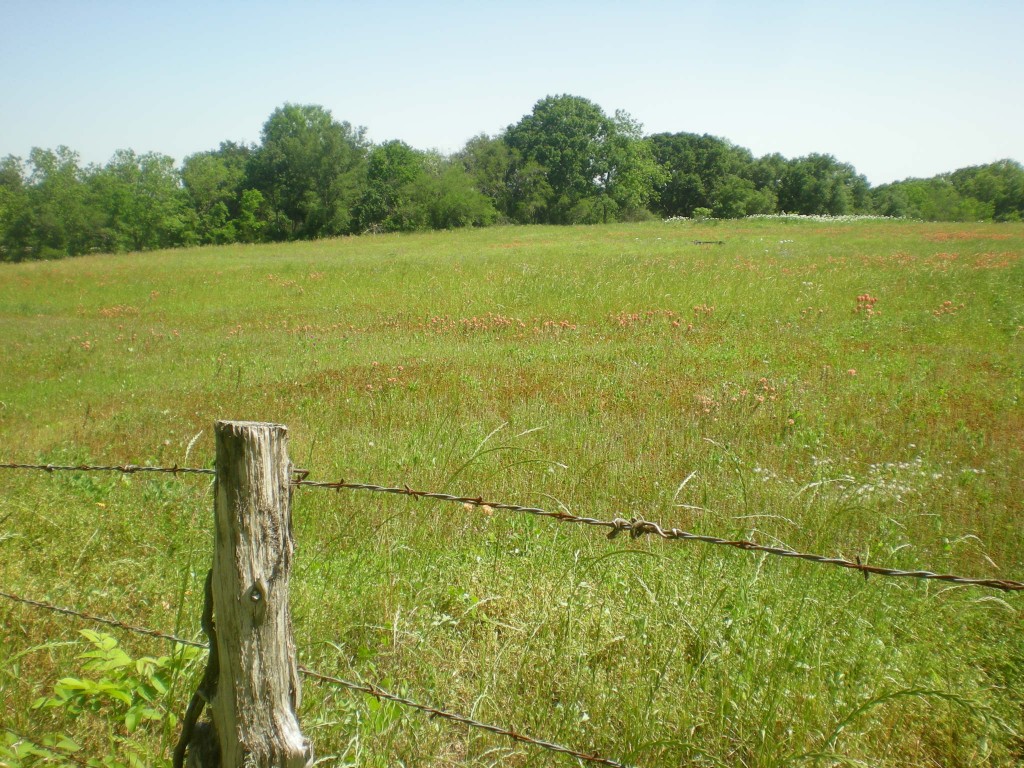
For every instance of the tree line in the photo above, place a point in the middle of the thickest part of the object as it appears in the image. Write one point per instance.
(567, 162)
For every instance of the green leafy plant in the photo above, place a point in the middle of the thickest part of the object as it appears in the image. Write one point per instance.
(134, 693)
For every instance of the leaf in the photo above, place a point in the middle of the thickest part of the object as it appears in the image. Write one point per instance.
(132, 718)
(74, 684)
(159, 684)
(65, 743)
(116, 692)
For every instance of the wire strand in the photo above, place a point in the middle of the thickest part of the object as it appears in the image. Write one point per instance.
(126, 469)
(361, 687)
(637, 527)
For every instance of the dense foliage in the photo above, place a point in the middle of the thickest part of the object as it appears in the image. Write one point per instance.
(566, 162)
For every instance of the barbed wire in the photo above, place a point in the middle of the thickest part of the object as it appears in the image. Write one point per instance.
(637, 527)
(126, 469)
(362, 687)
(100, 619)
(380, 693)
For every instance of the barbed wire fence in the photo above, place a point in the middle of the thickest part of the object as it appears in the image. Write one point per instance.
(636, 527)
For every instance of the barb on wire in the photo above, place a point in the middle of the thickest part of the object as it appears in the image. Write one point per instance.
(637, 527)
(368, 688)
(126, 469)
(379, 693)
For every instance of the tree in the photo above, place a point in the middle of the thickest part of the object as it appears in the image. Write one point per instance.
(14, 206)
(214, 182)
(310, 170)
(934, 199)
(451, 198)
(488, 162)
(387, 203)
(54, 220)
(142, 202)
(591, 165)
(820, 184)
(703, 172)
(627, 172)
(999, 184)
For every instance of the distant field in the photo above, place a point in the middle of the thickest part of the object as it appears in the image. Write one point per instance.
(849, 389)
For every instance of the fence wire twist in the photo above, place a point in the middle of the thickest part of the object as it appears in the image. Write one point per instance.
(637, 527)
(362, 687)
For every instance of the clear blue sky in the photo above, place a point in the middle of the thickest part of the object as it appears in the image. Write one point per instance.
(897, 89)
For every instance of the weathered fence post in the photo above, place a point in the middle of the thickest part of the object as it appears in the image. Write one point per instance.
(256, 692)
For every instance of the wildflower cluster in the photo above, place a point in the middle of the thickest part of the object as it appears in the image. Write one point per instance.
(387, 376)
(896, 479)
(947, 308)
(703, 309)
(824, 217)
(120, 310)
(763, 391)
(492, 322)
(809, 312)
(707, 403)
(866, 305)
(648, 317)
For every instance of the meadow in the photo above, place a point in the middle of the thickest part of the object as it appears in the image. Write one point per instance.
(850, 389)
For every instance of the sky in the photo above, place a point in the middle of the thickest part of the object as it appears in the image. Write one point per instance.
(897, 89)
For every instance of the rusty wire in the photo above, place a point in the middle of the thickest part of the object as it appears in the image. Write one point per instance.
(363, 687)
(126, 469)
(380, 693)
(100, 620)
(637, 527)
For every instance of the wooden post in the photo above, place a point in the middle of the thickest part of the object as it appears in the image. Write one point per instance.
(257, 692)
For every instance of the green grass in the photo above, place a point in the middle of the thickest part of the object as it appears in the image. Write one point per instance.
(593, 369)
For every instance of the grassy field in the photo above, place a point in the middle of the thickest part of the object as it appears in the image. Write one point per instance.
(850, 389)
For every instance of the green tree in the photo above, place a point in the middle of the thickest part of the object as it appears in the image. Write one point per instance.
(766, 172)
(388, 202)
(14, 206)
(934, 199)
(310, 170)
(214, 182)
(488, 161)
(253, 217)
(736, 197)
(142, 203)
(999, 184)
(705, 172)
(591, 165)
(820, 184)
(44, 206)
(627, 172)
(451, 198)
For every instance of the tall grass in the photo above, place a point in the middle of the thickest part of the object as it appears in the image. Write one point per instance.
(592, 369)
